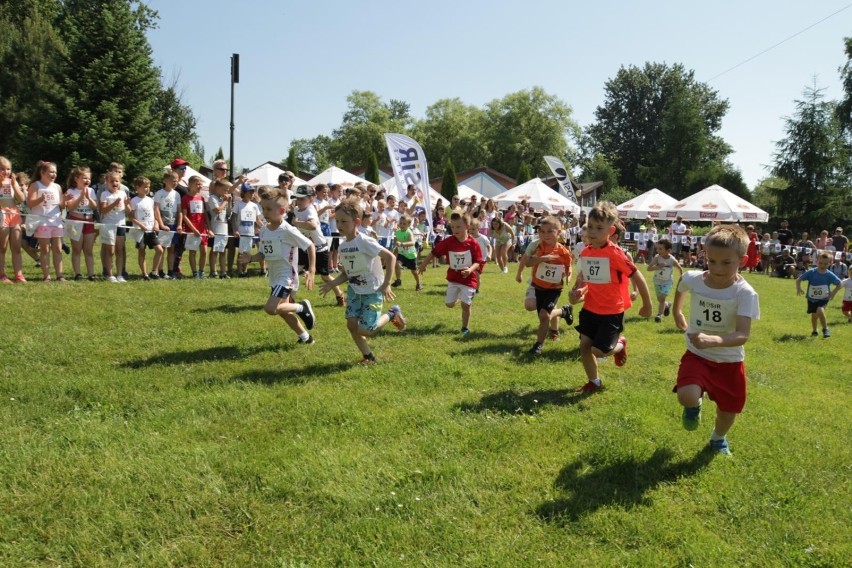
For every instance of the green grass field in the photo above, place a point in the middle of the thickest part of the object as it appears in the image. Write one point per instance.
(174, 423)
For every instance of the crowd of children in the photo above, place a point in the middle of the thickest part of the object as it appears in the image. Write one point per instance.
(365, 240)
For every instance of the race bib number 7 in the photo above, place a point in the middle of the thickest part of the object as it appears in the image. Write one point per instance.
(355, 263)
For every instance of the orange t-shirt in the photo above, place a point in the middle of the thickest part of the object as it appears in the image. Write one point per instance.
(605, 272)
(550, 275)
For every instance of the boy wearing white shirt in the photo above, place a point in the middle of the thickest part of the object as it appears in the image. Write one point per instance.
(246, 220)
(144, 219)
(307, 221)
(663, 266)
(169, 216)
(217, 206)
(722, 308)
(279, 243)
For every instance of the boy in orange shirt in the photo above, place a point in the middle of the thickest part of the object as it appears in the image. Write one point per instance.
(551, 263)
(604, 268)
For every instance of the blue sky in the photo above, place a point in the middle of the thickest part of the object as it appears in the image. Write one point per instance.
(300, 60)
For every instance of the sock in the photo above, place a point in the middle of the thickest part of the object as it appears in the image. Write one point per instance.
(596, 381)
(714, 436)
(299, 309)
(369, 356)
(304, 336)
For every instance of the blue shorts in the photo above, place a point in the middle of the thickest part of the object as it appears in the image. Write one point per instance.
(663, 289)
(367, 308)
(176, 236)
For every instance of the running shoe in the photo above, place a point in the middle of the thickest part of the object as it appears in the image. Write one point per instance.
(691, 417)
(307, 314)
(720, 446)
(620, 358)
(397, 318)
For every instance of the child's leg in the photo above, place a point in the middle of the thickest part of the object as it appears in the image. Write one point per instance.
(89, 253)
(821, 317)
(286, 309)
(170, 259)
(202, 258)
(814, 320)
(360, 339)
(158, 259)
(416, 276)
(465, 309)
(544, 321)
(56, 247)
(397, 271)
(724, 421)
(15, 246)
(232, 251)
(661, 301)
(43, 252)
(140, 256)
(689, 396)
(214, 258)
(107, 254)
(589, 358)
(192, 263)
(120, 256)
(222, 267)
(4, 239)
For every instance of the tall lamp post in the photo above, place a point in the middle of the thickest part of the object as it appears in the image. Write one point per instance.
(235, 78)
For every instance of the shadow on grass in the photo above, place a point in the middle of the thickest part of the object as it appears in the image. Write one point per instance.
(292, 377)
(229, 309)
(553, 352)
(222, 353)
(435, 329)
(670, 331)
(511, 402)
(623, 483)
(787, 337)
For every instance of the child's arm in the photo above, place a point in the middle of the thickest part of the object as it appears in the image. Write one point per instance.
(678, 266)
(188, 223)
(18, 193)
(652, 266)
(521, 265)
(32, 201)
(735, 339)
(389, 261)
(429, 258)
(179, 221)
(341, 279)
(312, 266)
(799, 285)
(71, 203)
(639, 281)
(677, 309)
(158, 218)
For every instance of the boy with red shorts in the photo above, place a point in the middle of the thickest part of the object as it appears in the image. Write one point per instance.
(195, 223)
(722, 307)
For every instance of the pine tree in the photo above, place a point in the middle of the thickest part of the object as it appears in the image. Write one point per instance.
(372, 173)
(449, 184)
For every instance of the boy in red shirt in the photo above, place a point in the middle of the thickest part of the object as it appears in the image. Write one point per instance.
(551, 262)
(195, 223)
(601, 286)
(464, 263)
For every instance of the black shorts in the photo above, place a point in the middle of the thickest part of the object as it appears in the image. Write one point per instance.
(335, 241)
(602, 329)
(814, 306)
(120, 231)
(282, 292)
(148, 240)
(546, 298)
(322, 261)
(407, 263)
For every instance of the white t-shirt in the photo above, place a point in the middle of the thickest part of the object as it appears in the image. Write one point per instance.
(714, 311)
(279, 248)
(247, 214)
(846, 284)
(48, 211)
(322, 204)
(114, 216)
(308, 214)
(169, 204)
(332, 220)
(84, 209)
(390, 218)
(665, 269)
(361, 262)
(218, 221)
(143, 211)
(484, 243)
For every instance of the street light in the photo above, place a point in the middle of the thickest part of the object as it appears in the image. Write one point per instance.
(235, 78)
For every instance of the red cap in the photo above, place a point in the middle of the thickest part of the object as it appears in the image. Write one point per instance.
(177, 162)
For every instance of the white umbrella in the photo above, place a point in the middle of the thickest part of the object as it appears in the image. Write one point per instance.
(653, 203)
(466, 192)
(538, 195)
(715, 203)
(335, 175)
(267, 174)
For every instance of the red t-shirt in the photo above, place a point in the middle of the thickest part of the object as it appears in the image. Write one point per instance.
(605, 271)
(460, 255)
(193, 211)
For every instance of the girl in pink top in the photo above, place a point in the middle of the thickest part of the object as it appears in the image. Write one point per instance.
(44, 198)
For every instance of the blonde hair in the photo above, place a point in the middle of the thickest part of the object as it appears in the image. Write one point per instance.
(728, 236)
(273, 194)
(550, 220)
(605, 212)
(141, 181)
(351, 208)
(826, 255)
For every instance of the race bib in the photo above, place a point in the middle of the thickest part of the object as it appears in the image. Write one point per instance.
(551, 273)
(196, 206)
(51, 198)
(6, 190)
(355, 263)
(817, 293)
(777, 248)
(596, 270)
(271, 248)
(461, 260)
(664, 274)
(715, 317)
(219, 243)
(248, 215)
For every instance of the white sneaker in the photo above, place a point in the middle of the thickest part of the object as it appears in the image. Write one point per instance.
(120, 279)
(112, 279)
(505, 270)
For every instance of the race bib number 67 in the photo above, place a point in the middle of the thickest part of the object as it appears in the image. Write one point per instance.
(596, 270)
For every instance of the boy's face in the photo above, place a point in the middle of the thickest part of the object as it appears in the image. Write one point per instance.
(404, 224)
(142, 190)
(598, 232)
(247, 196)
(723, 265)
(272, 210)
(346, 224)
(662, 250)
(459, 229)
(302, 203)
(547, 234)
(194, 187)
(823, 263)
(170, 182)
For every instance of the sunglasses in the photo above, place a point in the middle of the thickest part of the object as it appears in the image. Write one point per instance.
(220, 169)
(181, 168)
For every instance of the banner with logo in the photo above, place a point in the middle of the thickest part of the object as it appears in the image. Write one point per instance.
(561, 173)
(409, 168)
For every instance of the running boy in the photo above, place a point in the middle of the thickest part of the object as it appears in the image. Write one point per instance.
(361, 259)
(604, 266)
(551, 262)
(279, 242)
(663, 266)
(819, 279)
(406, 254)
(722, 307)
(464, 263)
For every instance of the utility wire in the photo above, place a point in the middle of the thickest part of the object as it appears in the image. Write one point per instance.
(785, 40)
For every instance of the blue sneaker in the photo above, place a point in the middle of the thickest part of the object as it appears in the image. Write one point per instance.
(465, 332)
(691, 417)
(720, 446)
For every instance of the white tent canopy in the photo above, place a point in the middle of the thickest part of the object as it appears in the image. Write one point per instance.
(653, 203)
(538, 195)
(335, 175)
(466, 192)
(190, 171)
(715, 203)
(267, 174)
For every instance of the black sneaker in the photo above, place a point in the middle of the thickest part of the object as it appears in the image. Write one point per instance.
(667, 309)
(91, 278)
(153, 276)
(308, 341)
(396, 283)
(78, 277)
(568, 314)
(65, 248)
(224, 276)
(307, 314)
(536, 349)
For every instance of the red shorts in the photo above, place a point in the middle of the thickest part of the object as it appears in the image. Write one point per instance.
(88, 228)
(724, 383)
(847, 307)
